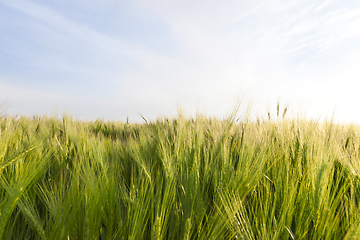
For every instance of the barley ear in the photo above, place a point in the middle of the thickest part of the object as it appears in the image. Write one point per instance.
(284, 113)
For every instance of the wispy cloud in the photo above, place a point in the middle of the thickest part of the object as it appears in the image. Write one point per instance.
(183, 52)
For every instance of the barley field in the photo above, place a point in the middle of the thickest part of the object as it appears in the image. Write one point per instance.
(179, 178)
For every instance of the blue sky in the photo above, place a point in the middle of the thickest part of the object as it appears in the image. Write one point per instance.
(111, 59)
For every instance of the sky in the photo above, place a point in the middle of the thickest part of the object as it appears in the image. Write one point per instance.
(115, 59)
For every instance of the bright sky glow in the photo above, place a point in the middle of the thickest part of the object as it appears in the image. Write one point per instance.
(111, 59)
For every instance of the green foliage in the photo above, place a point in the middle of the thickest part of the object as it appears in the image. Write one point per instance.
(201, 178)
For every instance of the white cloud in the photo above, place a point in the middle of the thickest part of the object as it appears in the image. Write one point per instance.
(257, 61)
(345, 16)
(290, 50)
(323, 5)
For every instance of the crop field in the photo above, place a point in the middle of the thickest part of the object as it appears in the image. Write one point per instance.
(178, 178)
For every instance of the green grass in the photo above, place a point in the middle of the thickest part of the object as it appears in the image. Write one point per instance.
(201, 178)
